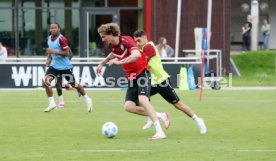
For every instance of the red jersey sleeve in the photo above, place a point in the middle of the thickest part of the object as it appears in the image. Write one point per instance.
(63, 43)
(129, 43)
(149, 51)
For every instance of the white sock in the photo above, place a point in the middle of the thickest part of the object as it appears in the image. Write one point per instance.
(148, 124)
(51, 100)
(60, 98)
(149, 121)
(159, 114)
(86, 96)
(195, 118)
(158, 127)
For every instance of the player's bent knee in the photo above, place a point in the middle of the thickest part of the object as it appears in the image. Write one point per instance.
(127, 109)
(47, 81)
(128, 106)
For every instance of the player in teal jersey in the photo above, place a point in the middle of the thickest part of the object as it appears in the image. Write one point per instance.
(59, 83)
(60, 65)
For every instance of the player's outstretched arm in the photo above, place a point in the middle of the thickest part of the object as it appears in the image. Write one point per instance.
(109, 57)
(103, 62)
(135, 54)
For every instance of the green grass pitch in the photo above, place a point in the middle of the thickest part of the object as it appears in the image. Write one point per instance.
(241, 127)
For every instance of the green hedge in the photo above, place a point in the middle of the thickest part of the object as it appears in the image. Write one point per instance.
(256, 68)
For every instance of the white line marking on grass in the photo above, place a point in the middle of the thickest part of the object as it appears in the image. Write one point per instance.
(250, 101)
(106, 151)
(249, 88)
(66, 101)
(258, 150)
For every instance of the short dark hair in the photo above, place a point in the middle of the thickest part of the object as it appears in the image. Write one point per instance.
(139, 33)
(56, 24)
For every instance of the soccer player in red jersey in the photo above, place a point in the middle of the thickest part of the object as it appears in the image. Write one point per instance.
(134, 63)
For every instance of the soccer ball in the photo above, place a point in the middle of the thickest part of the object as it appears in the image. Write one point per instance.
(109, 129)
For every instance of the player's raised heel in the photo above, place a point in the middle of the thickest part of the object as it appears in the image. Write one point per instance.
(164, 117)
(50, 108)
(166, 120)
